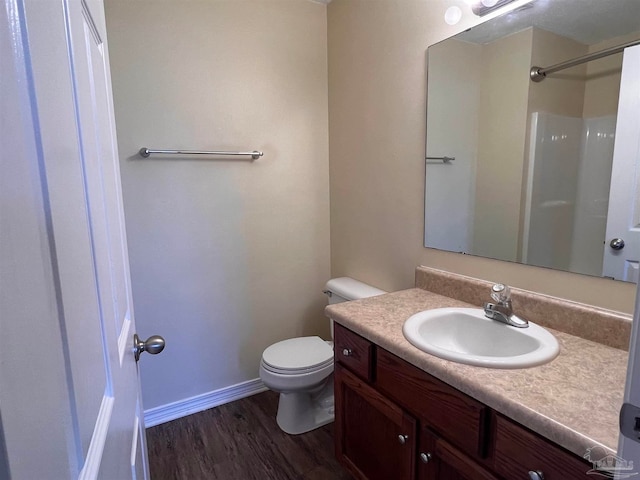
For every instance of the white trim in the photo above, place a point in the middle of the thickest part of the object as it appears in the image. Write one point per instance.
(96, 448)
(182, 408)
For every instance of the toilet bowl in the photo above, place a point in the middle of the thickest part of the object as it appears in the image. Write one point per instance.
(301, 369)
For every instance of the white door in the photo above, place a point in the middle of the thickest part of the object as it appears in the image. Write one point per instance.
(623, 217)
(629, 449)
(69, 390)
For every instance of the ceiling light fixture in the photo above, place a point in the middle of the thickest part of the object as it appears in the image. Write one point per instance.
(483, 7)
(453, 15)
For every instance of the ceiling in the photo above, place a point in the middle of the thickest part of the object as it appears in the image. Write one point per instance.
(585, 21)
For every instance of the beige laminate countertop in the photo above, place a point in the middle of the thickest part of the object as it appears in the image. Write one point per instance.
(573, 400)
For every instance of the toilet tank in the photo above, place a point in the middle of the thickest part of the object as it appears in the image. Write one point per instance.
(344, 289)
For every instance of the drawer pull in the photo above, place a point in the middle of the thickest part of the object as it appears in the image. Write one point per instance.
(425, 457)
(536, 475)
(403, 439)
(347, 352)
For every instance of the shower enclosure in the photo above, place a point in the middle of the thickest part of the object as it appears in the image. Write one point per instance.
(567, 191)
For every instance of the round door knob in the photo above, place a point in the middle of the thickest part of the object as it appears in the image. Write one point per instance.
(403, 439)
(347, 352)
(617, 244)
(536, 475)
(154, 345)
(425, 457)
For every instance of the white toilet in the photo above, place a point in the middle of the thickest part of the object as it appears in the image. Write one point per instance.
(301, 369)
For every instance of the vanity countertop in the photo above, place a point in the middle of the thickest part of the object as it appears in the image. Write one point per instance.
(573, 401)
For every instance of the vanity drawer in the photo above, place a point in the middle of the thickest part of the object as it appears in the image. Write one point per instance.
(454, 415)
(353, 351)
(519, 451)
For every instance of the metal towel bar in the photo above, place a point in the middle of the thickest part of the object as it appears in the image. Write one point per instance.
(442, 159)
(145, 152)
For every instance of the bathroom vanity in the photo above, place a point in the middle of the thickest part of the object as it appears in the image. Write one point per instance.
(404, 414)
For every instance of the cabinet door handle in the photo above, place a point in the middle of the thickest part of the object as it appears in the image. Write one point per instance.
(536, 475)
(403, 439)
(347, 352)
(425, 457)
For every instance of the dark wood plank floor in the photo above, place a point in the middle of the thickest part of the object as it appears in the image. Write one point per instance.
(240, 441)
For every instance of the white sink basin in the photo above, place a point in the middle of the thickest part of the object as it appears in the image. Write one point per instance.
(465, 335)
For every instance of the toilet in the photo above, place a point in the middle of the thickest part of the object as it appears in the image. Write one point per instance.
(301, 369)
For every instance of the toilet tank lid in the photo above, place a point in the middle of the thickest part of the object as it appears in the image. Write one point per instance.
(351, 289)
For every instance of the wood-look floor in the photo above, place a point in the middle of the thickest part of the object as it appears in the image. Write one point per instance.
(240, 441)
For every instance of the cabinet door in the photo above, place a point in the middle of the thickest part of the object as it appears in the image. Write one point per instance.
(375, 439)
(439, 460)
(456, 416)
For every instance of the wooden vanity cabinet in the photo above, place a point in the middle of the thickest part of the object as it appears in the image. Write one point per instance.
(395, 421)
(374, 438)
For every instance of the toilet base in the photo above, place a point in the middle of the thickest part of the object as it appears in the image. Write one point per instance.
(301, 412)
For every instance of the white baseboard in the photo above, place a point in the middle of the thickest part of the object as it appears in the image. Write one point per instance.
(182, 408)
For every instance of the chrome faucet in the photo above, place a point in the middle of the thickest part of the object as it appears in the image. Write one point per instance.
(502, 310)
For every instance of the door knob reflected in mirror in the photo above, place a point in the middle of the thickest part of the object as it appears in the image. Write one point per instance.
(617, 244)
(154, 345)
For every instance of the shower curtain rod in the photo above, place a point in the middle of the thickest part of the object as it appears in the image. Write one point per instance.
(538, 74)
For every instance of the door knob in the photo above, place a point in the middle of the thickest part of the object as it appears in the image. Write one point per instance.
(154, 345)
(617, 244)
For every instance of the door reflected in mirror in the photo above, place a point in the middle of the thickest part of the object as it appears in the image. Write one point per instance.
(528, 170)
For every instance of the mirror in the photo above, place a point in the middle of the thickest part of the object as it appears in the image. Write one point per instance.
(519, 170)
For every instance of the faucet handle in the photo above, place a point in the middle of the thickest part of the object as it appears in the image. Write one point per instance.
(501, 293)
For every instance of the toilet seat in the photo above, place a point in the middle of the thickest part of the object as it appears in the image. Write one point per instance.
(296, 356)
(301, 371)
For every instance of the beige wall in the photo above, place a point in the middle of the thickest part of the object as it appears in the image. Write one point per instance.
(603, 79)
(376, 116)
(563, 92)
(501, 140)
(454, 84)
(227, 256)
